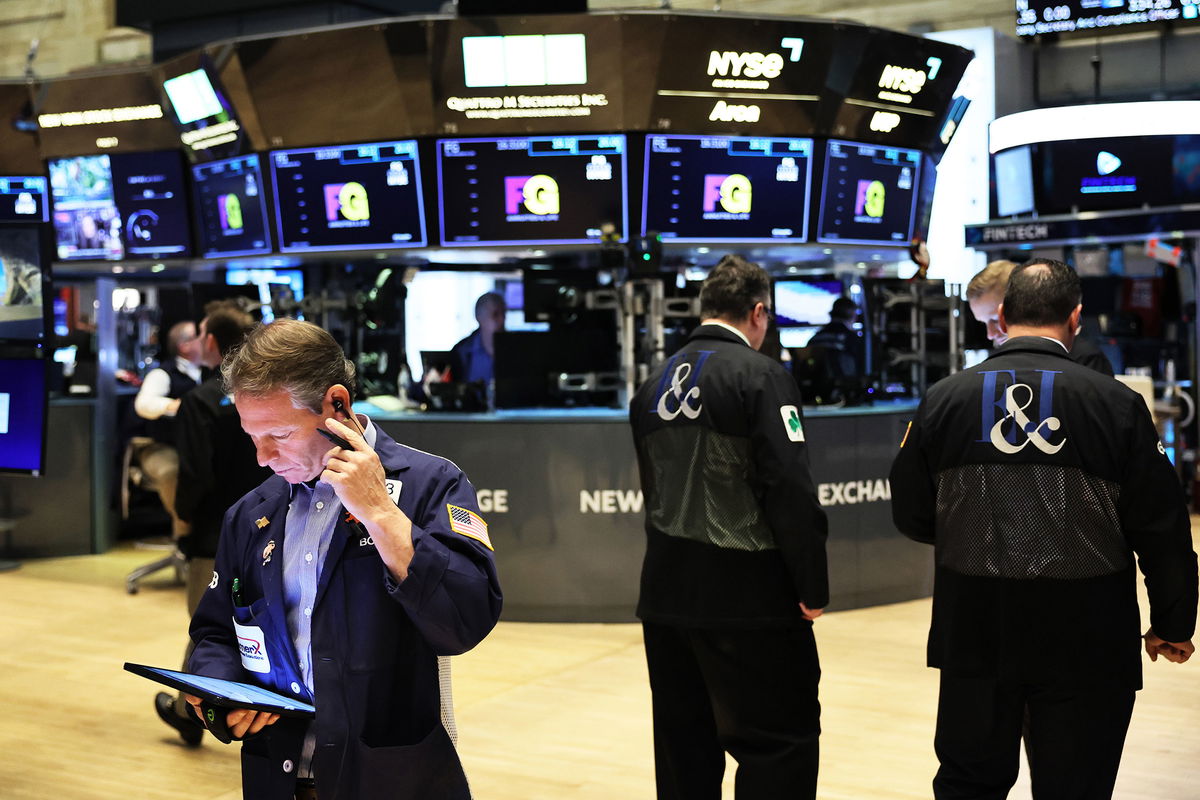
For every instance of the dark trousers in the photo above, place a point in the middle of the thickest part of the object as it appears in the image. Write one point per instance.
(1074, 738)
(752, 693)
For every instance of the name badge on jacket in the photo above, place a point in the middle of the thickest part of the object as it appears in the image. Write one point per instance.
(252, 646)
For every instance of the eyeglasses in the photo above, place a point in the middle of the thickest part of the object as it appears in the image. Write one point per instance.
(769, 312)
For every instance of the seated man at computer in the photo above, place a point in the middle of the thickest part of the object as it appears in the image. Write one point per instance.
(839, 338)
(472, 358)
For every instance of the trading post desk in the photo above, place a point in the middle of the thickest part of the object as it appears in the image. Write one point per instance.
(560, 492)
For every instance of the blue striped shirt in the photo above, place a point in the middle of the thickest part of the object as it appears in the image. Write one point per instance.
(311, 519)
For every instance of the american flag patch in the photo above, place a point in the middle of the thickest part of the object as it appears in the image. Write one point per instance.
(468, 523)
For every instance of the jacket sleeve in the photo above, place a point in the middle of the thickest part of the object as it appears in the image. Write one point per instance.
(789, 499)
(914, 496)
(1155, 519)
(451, 592)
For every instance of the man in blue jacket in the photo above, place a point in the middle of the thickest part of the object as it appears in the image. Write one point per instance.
(355, 570)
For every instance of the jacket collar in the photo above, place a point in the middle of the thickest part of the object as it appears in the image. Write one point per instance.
(1030, 344)
(717, 332)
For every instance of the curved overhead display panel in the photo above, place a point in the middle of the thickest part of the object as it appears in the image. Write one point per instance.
(118, 112)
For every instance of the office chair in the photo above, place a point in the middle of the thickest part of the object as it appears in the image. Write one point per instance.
(133, 477)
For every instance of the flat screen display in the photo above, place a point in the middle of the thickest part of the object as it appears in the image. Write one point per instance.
(22, 286)
(231, 208)
(531, 190)
(123, 205)
(348, 198)
(270, 284)
(726, 188)
(805, 302)
(23, 199)
(1101, 174)
(208, 126)
(1066, 16)
(1014, 181)
(869, 194)
(22, 415)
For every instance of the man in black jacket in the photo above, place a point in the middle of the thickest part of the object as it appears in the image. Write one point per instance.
(735, 568)
(217, 465)
(1037, 480)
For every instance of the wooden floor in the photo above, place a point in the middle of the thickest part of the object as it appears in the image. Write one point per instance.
(544, 711)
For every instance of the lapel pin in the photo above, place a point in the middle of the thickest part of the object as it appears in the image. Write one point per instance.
(267, 551)
(262, 522)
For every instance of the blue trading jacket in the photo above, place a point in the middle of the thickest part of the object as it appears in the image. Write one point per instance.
(375, 643)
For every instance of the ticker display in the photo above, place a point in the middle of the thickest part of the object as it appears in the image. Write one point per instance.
(727, 188)
(231, 208)
(1106, 174)
(531, 190)
(1067, 16)
(23, 199)
(869, 194)
(349, 198)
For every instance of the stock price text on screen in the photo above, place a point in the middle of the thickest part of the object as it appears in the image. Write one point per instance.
(231, 208)
(727, 188)
(869, 194)
(531, 190)
(1095, 16)
(349, 198)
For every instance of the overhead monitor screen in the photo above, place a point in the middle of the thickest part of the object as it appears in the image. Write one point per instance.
(1014, 181)
(123, 205)
(869, 194)
(23, 199)
(22, 285)
(208, 127)
(22, 415)
(726, 188)
(1099, 174)
(532, 190)
(352, 197)
(1066, 16)
(231, 208)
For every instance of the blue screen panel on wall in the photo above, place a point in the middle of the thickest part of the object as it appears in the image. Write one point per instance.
(123, 205)
(24, 199)
(869, 194)
(726, 188)
(1014, 181)
(231, 208)
(22, 415)
(532, 190)
(350, 197)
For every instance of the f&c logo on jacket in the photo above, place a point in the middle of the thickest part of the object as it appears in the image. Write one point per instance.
(681, 396)
(1005, 421)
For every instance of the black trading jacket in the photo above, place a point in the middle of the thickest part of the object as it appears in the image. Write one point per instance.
(1037, 480)
(736, 536)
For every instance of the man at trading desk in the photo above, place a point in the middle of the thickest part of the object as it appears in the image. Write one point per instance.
(831, 367)
(340, 581)
(472, 359)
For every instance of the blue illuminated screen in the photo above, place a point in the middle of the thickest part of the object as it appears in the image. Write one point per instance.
(22, 414)
(531, 190)
(869, 194)
(349, 197)
(23, 199)
(231, 208)
(727, 188)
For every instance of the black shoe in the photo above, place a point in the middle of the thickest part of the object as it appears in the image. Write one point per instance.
(189, 730)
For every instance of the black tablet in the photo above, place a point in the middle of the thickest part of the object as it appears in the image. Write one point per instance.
(226, 694)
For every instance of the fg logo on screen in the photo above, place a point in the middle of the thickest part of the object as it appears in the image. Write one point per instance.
(536, 195)
(346, 204)
(733, 193)
(868, 201)
(229, 210)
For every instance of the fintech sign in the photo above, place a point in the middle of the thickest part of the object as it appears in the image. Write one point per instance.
(726, 188)
(532, 190)
(568, 70)
(23, 199)
(753, 76)
(869, 194)
(349, 198)
(1067, 16)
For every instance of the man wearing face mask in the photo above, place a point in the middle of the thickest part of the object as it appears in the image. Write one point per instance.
(985, 293)
(356, 569)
